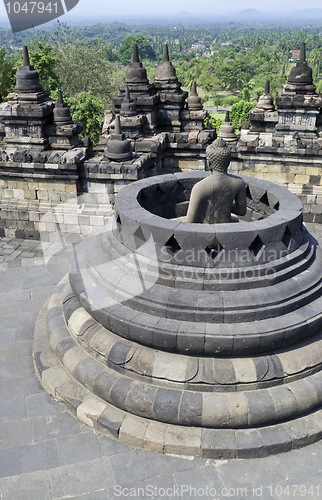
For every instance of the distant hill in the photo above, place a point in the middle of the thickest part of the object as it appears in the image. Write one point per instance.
(251, 13)
(309, 13)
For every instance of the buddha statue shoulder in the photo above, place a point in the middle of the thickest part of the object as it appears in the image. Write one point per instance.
(216, 197)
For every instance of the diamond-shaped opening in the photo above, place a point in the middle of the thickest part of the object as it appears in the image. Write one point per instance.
(142, 196)
(172, 246)
(287, 237)
(159, 189)
(139, 237)
(256, 247)
(277, 206)
(264, 199)
(248, 193)
(213, 249)
(118, 222)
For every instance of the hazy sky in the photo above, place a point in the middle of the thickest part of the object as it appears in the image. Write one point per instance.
(106, 9)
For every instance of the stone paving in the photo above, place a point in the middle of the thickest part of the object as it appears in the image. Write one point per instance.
(45, 453)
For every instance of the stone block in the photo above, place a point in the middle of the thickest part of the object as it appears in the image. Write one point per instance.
(245, 370)
(80, 321)
(215, 410)
(96, 220)
(18, 194)
(238, 410)
(302, 179)
(224, 371)
(103, 384)
(119, 392)
(304, 431)
(261, 409)
(218, 444)
(164, 367)
(90, 410)
(183, 441)
(166, 405)
(191, 406)
(140, 400)
(164, 335)
(249, 443)
(133, 430)
(86, 372)
(42, 195)
(111, 420)
(275, 439)
(72, 357)
(305, 394)
(141, 328)
(34, 216)
(119, 353)
(191, 337)
(154, 437)
(71, 219)
(63, 347)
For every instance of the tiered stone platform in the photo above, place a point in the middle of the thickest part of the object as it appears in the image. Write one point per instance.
(193, 339)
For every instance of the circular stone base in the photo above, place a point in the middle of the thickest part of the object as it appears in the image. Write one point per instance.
(223, 363)
(216, 443)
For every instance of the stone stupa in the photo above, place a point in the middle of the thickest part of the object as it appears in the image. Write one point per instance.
(191, 338)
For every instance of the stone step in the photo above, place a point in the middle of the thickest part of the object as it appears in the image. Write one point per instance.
(162, 437)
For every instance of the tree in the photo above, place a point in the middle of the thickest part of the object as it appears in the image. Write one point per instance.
(7, 74)
(88, 110)
(45, 62)
(240, 113)
(215, 122)
(91, 71)
(145, 49)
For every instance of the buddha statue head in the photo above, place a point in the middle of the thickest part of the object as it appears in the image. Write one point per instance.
(218, 156)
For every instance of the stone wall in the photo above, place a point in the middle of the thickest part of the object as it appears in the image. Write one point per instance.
(28, 209)
(302, 175)
(79, 203)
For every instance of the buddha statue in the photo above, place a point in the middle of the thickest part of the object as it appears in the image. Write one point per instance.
(214, 198)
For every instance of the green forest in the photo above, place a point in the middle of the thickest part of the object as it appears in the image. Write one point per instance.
(230, 62)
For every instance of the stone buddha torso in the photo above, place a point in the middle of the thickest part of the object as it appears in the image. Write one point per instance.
(214, 198)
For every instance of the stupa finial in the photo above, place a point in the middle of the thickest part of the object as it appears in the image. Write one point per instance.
(166, 57)
(194, 101)
(118, 147)
(300, 79)
(27, 78)
(265, 101)
(193, 89)
(25, 54)
(60, 99)
(226, 132)
(61, 111)
(127, 93)
(135, 57)
(136, 73)
(303, 53)
(117, 129)
(128, 107)
(165, 73)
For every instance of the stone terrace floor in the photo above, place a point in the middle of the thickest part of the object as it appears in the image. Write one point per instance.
(45, 453)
